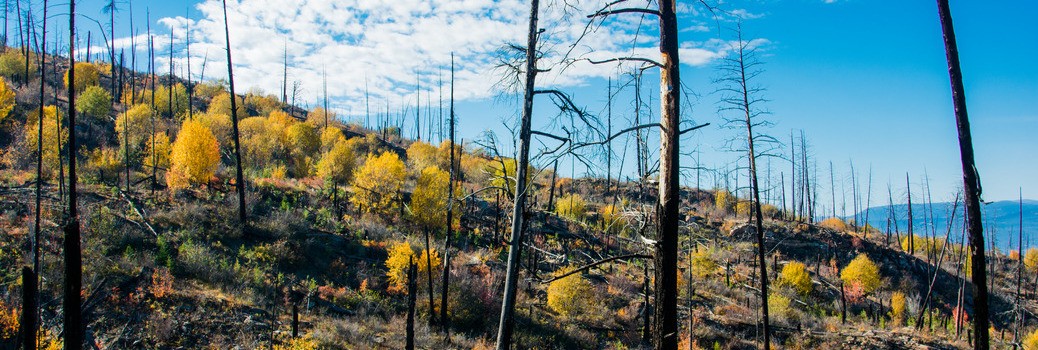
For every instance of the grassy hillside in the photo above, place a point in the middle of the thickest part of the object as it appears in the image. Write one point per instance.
(335, 212)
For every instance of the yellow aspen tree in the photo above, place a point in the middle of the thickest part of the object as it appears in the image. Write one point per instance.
(195, 156)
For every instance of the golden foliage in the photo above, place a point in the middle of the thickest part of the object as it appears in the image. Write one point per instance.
(569, 296)
(503, 174)
(303, 145)
(256, 143)
(724, 200)
(572, 206)
(1031, 259)
(835, 224)
(53, 140)
(105, 160)
(329, 137)
(87, 74)
(157, 155)
(780, 306)
(612, 217)
(134, 129)
(262, 104)
(795, 275)
(863, 273)
(898, 308)
(378, 183)
(421, 155)
(1031, 341)
(195, 156)
(162, 100)
(337, 165)
(299, 343)
(318, 117)
(9, 325)
(396, 264)
(221, 104)
(703, 263)
(6, 99)
(12, 64)
(220, 125)
(429, 200)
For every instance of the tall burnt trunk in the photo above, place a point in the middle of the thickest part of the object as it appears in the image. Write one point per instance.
(666, 256)
(506, 324)
(239, 176)
(73, 314)
(971, 182)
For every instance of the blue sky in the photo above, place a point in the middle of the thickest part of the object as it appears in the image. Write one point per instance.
(864, 80)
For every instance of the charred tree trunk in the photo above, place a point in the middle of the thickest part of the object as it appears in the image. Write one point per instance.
(240, 177)
(911, 233)
(666, 256)
(412, 290)
(29, 315)
(515, 243)
(73, 317)
(444, 319)
(971, 182)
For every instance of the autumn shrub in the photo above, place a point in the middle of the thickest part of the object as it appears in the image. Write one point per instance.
(569, 296)
(169, 102)
(780, 306)
(195, 156)
(7, 99)
(835, 224)
(571, 206)
(400, 254)
(157, 152)
(338, 163)
(898, 308)
(429, 200)
(329, 137)
(87, 74)
(612, 218)
(724, 200)
(1031, 259)
(1031, 341)
(703, 262)
(12, 64)
(133, 128)
(104, 163)
(769, 211)
(861, 273)
(378, 184)
(199, 261)
(421, 155)
(9, 325)
(53, 139)
(94, 102)
(795, 276)
(221, 104)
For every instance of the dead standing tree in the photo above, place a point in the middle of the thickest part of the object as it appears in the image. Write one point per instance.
(240, 177)
(665, 321)
(741, 102)
(73, 314)
(971, 182)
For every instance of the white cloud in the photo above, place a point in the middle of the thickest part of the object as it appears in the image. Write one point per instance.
(387, 45)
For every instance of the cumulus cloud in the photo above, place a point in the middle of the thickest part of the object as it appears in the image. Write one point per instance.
(387, 47)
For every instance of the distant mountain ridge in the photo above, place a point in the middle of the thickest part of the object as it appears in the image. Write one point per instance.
(1001, 220)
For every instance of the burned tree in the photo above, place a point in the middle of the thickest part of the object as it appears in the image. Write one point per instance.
(741, 102)
(971, 182)
(73, 314)
(240, 177)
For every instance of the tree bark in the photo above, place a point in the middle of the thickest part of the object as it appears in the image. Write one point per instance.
(666, 257)
(506, 324)
(29, 315)
(73, 317)
(240, 177)
(444, 319)
(971, 182)
(412, 289)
